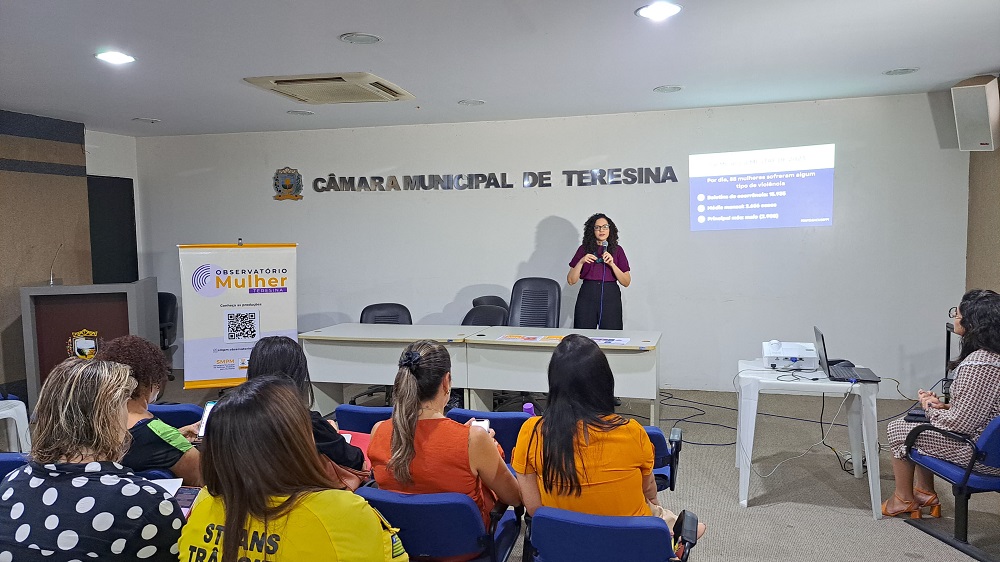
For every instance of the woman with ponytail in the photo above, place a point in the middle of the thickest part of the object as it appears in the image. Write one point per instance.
(420, 451)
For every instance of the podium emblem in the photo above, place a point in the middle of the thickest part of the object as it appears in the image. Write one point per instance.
(287, 184)
(82, 344)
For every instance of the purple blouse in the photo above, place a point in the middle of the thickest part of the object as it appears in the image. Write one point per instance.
(594, 271)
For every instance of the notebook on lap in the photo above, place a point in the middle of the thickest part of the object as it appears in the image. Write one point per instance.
(841, 373)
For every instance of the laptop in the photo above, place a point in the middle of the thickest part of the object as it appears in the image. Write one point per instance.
(840, 373)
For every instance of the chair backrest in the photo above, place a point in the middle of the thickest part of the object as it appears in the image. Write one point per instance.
(661, 450)
(989, 443)
(360, 418)
(534, 302)
(167, 304)
(10, 461)
(177, 415)
(156, 474)
(438, 525)
(567, 536)
(386, 313)
(491, 299)
(506, 425)
(486, 315)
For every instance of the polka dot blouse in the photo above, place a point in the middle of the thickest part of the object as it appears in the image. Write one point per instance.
(93, 511)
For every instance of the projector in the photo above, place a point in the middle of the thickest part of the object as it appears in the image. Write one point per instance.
(799, 356)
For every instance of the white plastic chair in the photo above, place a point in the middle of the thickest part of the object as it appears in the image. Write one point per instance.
(17, 425)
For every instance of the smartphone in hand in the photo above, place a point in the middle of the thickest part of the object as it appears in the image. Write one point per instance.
(204, 418)
(485, 424)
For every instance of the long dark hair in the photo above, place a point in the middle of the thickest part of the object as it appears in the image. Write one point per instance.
(282, 356)
(590, 241)
(980, 309)
(581, 390)
(422, 366)
(265, 414)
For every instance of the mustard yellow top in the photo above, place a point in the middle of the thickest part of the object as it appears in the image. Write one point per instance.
(610, 464)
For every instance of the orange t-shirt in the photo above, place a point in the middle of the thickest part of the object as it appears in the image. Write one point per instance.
(441, 462)
(611, 466)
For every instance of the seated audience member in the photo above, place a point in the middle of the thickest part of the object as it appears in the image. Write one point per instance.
(280, 355)
(267, 495)
(421, 451)
(155, 444)
(580, 455)
(975, 401)
(73, 500)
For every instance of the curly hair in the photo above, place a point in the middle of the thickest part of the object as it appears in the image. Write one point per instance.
(980, 309)
(149, 365)
(590, 241)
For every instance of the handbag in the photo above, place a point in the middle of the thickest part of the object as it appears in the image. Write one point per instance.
(346, 478)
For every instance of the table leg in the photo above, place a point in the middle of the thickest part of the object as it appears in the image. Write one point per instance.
(749, 389)
(869, 417)
(854, 425)
(328, 395)
(654, 412)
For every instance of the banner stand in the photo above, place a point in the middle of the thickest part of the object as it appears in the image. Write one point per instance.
(231, 296)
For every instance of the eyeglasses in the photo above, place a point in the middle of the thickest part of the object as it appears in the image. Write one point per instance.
(602, 227)
(953, 312)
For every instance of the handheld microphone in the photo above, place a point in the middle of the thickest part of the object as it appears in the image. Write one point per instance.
(600, 250)
(52, 268)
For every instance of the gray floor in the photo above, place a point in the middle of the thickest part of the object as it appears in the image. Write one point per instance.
(808, 509)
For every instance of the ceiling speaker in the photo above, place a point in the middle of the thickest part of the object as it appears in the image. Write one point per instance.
(977, 113)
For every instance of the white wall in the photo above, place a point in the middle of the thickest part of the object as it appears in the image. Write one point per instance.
(878, 282)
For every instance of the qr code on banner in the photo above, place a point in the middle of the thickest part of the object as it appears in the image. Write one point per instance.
(242, 326)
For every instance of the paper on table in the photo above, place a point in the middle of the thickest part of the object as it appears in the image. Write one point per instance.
(611, 341)
(515, 337)
(171, 485)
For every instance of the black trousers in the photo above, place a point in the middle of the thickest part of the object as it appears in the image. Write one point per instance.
(591, 313)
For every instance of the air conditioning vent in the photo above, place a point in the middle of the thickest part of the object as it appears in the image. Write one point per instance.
(351, 87)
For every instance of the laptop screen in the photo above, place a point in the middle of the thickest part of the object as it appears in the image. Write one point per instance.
(821, 351)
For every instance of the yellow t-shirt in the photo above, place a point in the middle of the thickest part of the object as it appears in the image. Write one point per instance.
(611, 466)
(332, 525)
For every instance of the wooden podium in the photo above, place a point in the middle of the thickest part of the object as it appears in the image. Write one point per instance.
(59, 322)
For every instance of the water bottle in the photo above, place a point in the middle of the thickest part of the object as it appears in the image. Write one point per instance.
(528, 408)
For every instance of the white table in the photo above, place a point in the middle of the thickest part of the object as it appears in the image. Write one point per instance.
(523, 365)
(369, 354)
(861, 420)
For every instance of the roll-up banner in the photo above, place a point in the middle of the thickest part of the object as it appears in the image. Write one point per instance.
(231, 296)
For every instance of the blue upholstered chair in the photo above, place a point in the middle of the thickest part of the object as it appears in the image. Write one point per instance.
(156, 474)
(360, 418)
(448, 524)
(177, 415)
(557, 535)
(505, 425)
(10, 461)
(665, 456)
(963, 479)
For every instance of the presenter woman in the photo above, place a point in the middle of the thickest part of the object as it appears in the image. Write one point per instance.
(602, 265)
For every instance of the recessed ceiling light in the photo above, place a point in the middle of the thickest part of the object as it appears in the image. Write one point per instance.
(667, 89)
(150, 120)
(360, 38)
(471, 102)
(114, 57)
(658, 11)
(300, 112)
(900, 71)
